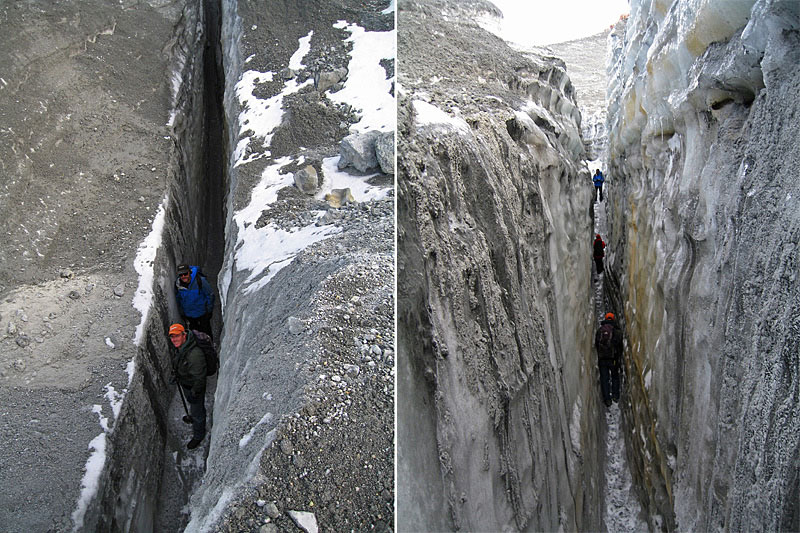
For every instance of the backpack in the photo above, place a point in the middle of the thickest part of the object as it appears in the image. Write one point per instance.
(605, 341)
(207, 345)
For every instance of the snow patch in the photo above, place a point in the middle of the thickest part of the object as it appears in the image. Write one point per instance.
(145, 259)
(115, 399)
(377, 105)
(261, 117)
(430, 115)
(246, 439)
(296, 61)
(333, 178)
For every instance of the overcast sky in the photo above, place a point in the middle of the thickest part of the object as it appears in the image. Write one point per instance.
(540, 22)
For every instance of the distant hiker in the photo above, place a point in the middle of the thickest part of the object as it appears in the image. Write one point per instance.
(608, 342)
(599, 253)
(195, 298)
(598, 180)
(189, 366)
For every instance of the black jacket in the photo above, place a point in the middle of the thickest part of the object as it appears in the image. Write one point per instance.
(616, 343)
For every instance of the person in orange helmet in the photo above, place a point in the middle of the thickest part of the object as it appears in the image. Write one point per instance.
(189, 365)
(608, 342)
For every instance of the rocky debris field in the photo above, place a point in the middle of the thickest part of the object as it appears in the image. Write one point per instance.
(334, 459)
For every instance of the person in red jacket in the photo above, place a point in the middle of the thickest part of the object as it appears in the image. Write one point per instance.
(599, 253)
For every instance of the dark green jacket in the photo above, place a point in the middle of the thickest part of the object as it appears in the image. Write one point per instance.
(189, 365)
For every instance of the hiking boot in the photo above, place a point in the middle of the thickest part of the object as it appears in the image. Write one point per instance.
(194, 443)
(187, 419)
(615, 399)
(608, 403)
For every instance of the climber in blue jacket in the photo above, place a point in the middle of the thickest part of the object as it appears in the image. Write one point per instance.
(598, 180)
(195, 298)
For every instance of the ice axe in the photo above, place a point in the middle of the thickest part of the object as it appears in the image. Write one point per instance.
(187, 417)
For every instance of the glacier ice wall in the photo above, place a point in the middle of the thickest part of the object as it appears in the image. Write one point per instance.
(703, 126)
(498, 423)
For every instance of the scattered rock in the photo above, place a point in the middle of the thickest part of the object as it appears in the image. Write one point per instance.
(328, 218)
(357, 150)
(74, 295)
(286, 446)
(268, 528)
(22, 340)
(304, 520)
(287, 73)
(298, 461)
(119, 290)
(19, 365)
(11, 329)
(272, 510)
(306, 179)
(67, 274)
(384, 151)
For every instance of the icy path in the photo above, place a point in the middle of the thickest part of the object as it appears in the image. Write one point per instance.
(622, 512)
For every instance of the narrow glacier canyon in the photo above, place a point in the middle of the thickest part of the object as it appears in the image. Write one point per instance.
(255, 140)
(501, 426)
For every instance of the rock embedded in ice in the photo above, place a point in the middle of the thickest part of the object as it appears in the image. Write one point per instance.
(296, 325)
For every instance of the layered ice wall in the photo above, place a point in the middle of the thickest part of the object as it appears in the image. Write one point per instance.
(703, 158)
(498, 424)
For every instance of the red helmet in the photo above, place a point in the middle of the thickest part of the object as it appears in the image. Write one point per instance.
(609, 316)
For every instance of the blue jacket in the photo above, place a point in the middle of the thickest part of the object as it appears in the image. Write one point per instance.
(598, 179)
(198, 298)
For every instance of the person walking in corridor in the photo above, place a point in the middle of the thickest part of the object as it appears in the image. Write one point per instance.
(195, 298)
(189, 366)
(608, 342)
(598, 180)
(599, 253)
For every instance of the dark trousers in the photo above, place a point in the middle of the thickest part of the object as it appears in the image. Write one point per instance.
(201, 323)
(599, 189)
(598, 263)
(197, 410)
(609, 381)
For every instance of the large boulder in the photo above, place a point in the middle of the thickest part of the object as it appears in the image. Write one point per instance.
(358, 151)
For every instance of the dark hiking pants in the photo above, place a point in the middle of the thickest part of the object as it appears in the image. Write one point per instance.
(599, 191)
(201, 323)
(598, 263)
(197, 409)
(609, 381)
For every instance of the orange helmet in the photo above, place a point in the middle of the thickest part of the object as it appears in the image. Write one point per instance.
(609, 316)
(176, 329)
